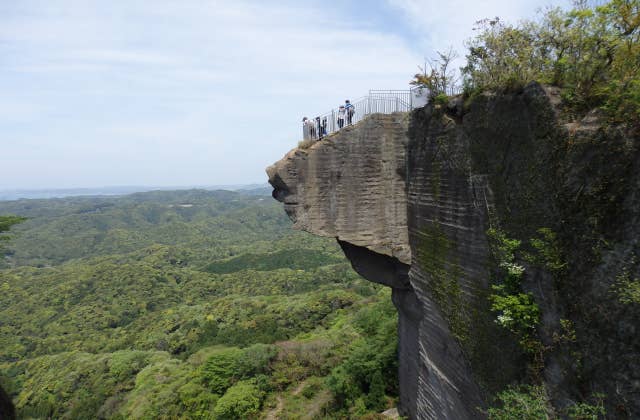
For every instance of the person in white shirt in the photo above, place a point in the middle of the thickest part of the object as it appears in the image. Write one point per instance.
(308, 129)
(341, 114)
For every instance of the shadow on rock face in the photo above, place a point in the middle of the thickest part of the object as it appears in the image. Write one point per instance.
(280, 190)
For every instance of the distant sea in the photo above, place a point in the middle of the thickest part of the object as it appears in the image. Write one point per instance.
(253, 189)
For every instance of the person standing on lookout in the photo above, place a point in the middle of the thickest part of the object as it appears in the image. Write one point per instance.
(319, 128)
(309, 129)
(341, 114)
(350, 111)
(305, 129)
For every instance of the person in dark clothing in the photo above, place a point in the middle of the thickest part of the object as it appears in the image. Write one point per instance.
(342, 112)
(351, 110)
(309, 129)
(319, 127)
(324, 126)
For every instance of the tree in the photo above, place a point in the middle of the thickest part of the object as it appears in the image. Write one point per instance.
(439, 78)
(220, 371)
(241, 401)
(6, 222)
(590, 52)
(376, 398)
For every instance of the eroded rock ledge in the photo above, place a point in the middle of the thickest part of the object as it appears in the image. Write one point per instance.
(351, 186)
(410, 199)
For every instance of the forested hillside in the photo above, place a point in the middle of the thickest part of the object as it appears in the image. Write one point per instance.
(189, 304)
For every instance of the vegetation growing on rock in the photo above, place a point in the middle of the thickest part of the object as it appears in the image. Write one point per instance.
(590, 52)
(516, 310)
(532, 403)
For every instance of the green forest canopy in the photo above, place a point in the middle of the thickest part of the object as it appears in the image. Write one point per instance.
(186, 304)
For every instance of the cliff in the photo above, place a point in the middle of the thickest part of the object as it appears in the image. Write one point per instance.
(427, 203)
(351, 186)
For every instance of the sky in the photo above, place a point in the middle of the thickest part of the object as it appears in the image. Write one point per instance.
(199, 92)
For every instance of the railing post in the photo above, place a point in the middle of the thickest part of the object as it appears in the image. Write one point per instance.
(378, 101)
(333, 121)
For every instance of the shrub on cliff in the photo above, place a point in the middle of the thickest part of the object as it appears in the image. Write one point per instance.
(525, 403)
(439, 79)
(590, 52)
(515, 310)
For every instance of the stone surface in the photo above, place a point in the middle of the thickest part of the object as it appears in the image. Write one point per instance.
(391, 413)
(351, 186)
(410, 203)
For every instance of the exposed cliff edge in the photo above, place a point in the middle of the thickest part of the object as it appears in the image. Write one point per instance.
(410, 198)
(351, 186)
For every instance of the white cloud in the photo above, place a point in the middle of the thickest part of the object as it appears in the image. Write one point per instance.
(219, 85)
(444, 24)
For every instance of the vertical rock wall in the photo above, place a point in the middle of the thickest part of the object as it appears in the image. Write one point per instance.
(353, 186)
(447, 220)
(410, 201)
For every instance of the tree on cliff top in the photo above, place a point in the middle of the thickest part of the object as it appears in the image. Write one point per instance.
(590, 52)
(439, 78)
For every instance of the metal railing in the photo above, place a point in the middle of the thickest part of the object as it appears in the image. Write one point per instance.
(376, 102)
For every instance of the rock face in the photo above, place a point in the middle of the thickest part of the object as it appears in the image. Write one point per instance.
(351, 186)
(410, 199)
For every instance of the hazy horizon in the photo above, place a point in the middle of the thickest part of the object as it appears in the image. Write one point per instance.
(114, 190)
(97, 187)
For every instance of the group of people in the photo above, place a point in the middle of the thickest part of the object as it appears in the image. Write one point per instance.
(317, 129)
(314, 130)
